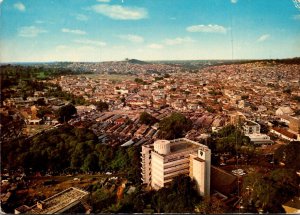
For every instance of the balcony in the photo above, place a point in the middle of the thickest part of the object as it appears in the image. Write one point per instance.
(174, 174)
(176, 162)
(175, 169)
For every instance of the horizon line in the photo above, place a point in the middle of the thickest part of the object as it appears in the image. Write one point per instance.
(242, 59)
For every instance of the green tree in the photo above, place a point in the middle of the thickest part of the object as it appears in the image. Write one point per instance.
(102, 199)
(270, 191)
(208, 207)
(147, 119)
(91, 163)
(102, 106)
(289, 155)
(179, 197)
(230, 139)
(66, 112)
(174, 126)
(43, 111)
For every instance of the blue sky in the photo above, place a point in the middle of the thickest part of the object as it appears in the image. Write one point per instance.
(103, 30)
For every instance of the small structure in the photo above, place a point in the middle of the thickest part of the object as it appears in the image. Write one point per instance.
(284, 134)
(59, 203)
(223, 181)
(284, 110)
(292, 206)
(252, 130)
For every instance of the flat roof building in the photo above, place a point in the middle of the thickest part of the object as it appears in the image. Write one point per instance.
(164, 160)
(58, 203)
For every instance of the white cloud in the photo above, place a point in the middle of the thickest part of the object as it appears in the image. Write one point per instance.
(155, 46)
(30, 31)
(1, 1)
(73, 31)
(178, 41)
(119, 12)
(263, 38)
(296, 17)
(90, 42)
(234, 1)
(20, 6)
(106, 1)
(132, 38)
(39, 22)
(81, 17)
(207, 28)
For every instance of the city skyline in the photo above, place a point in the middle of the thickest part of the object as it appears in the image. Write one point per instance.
(103, 30)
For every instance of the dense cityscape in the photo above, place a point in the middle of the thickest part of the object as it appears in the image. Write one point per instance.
(246, 114)
(133, 106)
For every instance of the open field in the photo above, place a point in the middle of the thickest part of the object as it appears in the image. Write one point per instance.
(60, 183)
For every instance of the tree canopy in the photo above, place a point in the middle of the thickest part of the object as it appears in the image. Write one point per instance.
(102, 106)
(270, 191)
(179, 197)
(174, 126)
(66, 112)
(289, 155)
(228, 139)
(147, 119)
(69, 147)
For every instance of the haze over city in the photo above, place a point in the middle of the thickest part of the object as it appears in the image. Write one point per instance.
(105, 30)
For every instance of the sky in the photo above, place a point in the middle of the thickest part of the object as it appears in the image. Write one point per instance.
(106, 30)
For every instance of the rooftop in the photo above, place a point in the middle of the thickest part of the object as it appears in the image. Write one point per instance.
(293, 203)
(180, 145)
(59, 202)
(250, 123)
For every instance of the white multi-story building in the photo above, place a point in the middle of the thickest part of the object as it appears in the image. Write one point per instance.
(164, 160)
(252, 130)
(251, 127)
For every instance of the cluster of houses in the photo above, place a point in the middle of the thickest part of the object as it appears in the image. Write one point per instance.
(208, 98)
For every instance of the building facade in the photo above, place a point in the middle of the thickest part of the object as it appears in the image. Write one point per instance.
(62, 202)
(252, 130)
(164, 160)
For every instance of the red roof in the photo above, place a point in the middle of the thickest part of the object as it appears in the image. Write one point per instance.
(285, 132)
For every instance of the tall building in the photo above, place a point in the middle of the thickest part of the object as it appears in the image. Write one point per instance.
(164, 160)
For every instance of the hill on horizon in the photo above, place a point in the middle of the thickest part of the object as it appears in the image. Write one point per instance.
(136, 61)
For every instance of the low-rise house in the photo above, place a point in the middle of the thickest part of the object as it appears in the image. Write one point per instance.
(292, 122)
(284, 134)
(284, 110)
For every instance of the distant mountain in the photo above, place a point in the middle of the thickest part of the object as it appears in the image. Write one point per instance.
(135, 61)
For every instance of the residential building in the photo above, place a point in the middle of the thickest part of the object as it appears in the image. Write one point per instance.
(292, 122)
(251, 127)
(252, 130)
(284, 110)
